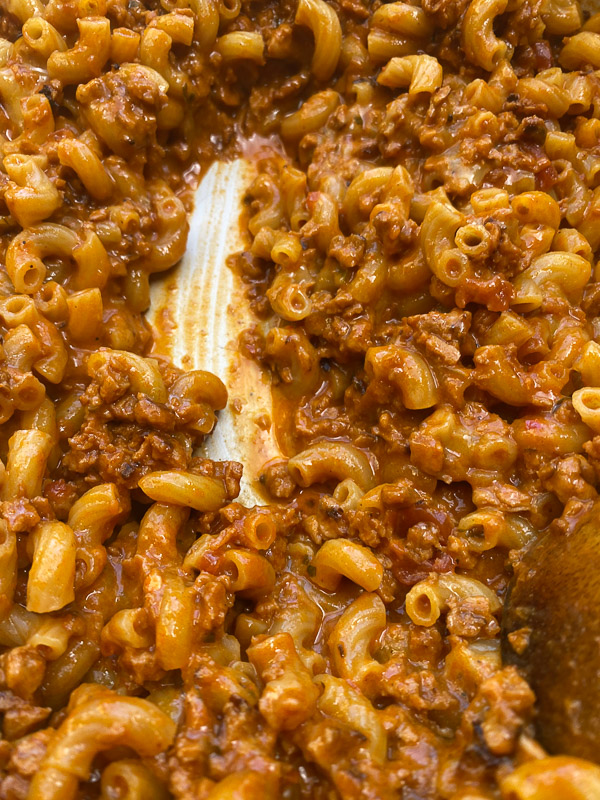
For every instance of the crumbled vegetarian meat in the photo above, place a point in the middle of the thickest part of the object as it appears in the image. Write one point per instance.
(23, 668)
(20, 717)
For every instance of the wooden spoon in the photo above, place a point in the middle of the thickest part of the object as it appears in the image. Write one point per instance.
(551, 631)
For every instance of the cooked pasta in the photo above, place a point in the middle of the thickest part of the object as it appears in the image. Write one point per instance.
(421, 247)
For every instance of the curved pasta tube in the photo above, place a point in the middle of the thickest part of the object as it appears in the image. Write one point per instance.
(201, 387)
(404, 19)
(90, 170)
(364, 187)
(21, 627)
(268, 203)
(461, 450)
(383, 45)
(207, 17)
(480, 43)
(562, 145)
(203, 552)
(155, 47)
(143, 373)
(348, 494)
(341, 701)
(293, 191)
(42, 418)
(25, 254)
(22, 351)
(299, 616)
(251, 574)
(124, 45)
(552, 777)
(421, 73)
(51, 301)
(93, 265)
(127, 628)
(50, 636)
(311, 115)
(21, 348)
(51, 579)
(473, 239)
(85, 314)
(103, 118)
(11, 94)
(396, 195)
(506, 380)
(175, 622)
(51, 366)
(92, 519)
(38, 122)
(24, 9)
(283, 248)
(168, 246)
(290, 696)
(157, 536)
(68, 670)
(104, 721)
(407, 370)
(184, 489)
(571, 240)
(325, 25)
(18, 626)
(295, 357)
(194, 397)
(229, 9)
(18, 310)
(586, 403)
(259, 529)
(429, 598)
(438, 232)
(288, 298)
(555, 97)
(370, 278)
(487, 528)
(32, 196)
(567, 272)
(561, 17)
(86, 59)
(237, 45)
(353, 638)
(323, 222)
(537, 208)
(179, 24)
(580, 50)
(42, 37)
(27, 392)
(490, 97)
(337, 558)
(236, 678)
(545, 433)
(28, 452)
(588, 365)
(130, 780)
(323, 461)
(8, 567)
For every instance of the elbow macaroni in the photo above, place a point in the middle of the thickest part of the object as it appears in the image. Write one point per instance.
(421, 260)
